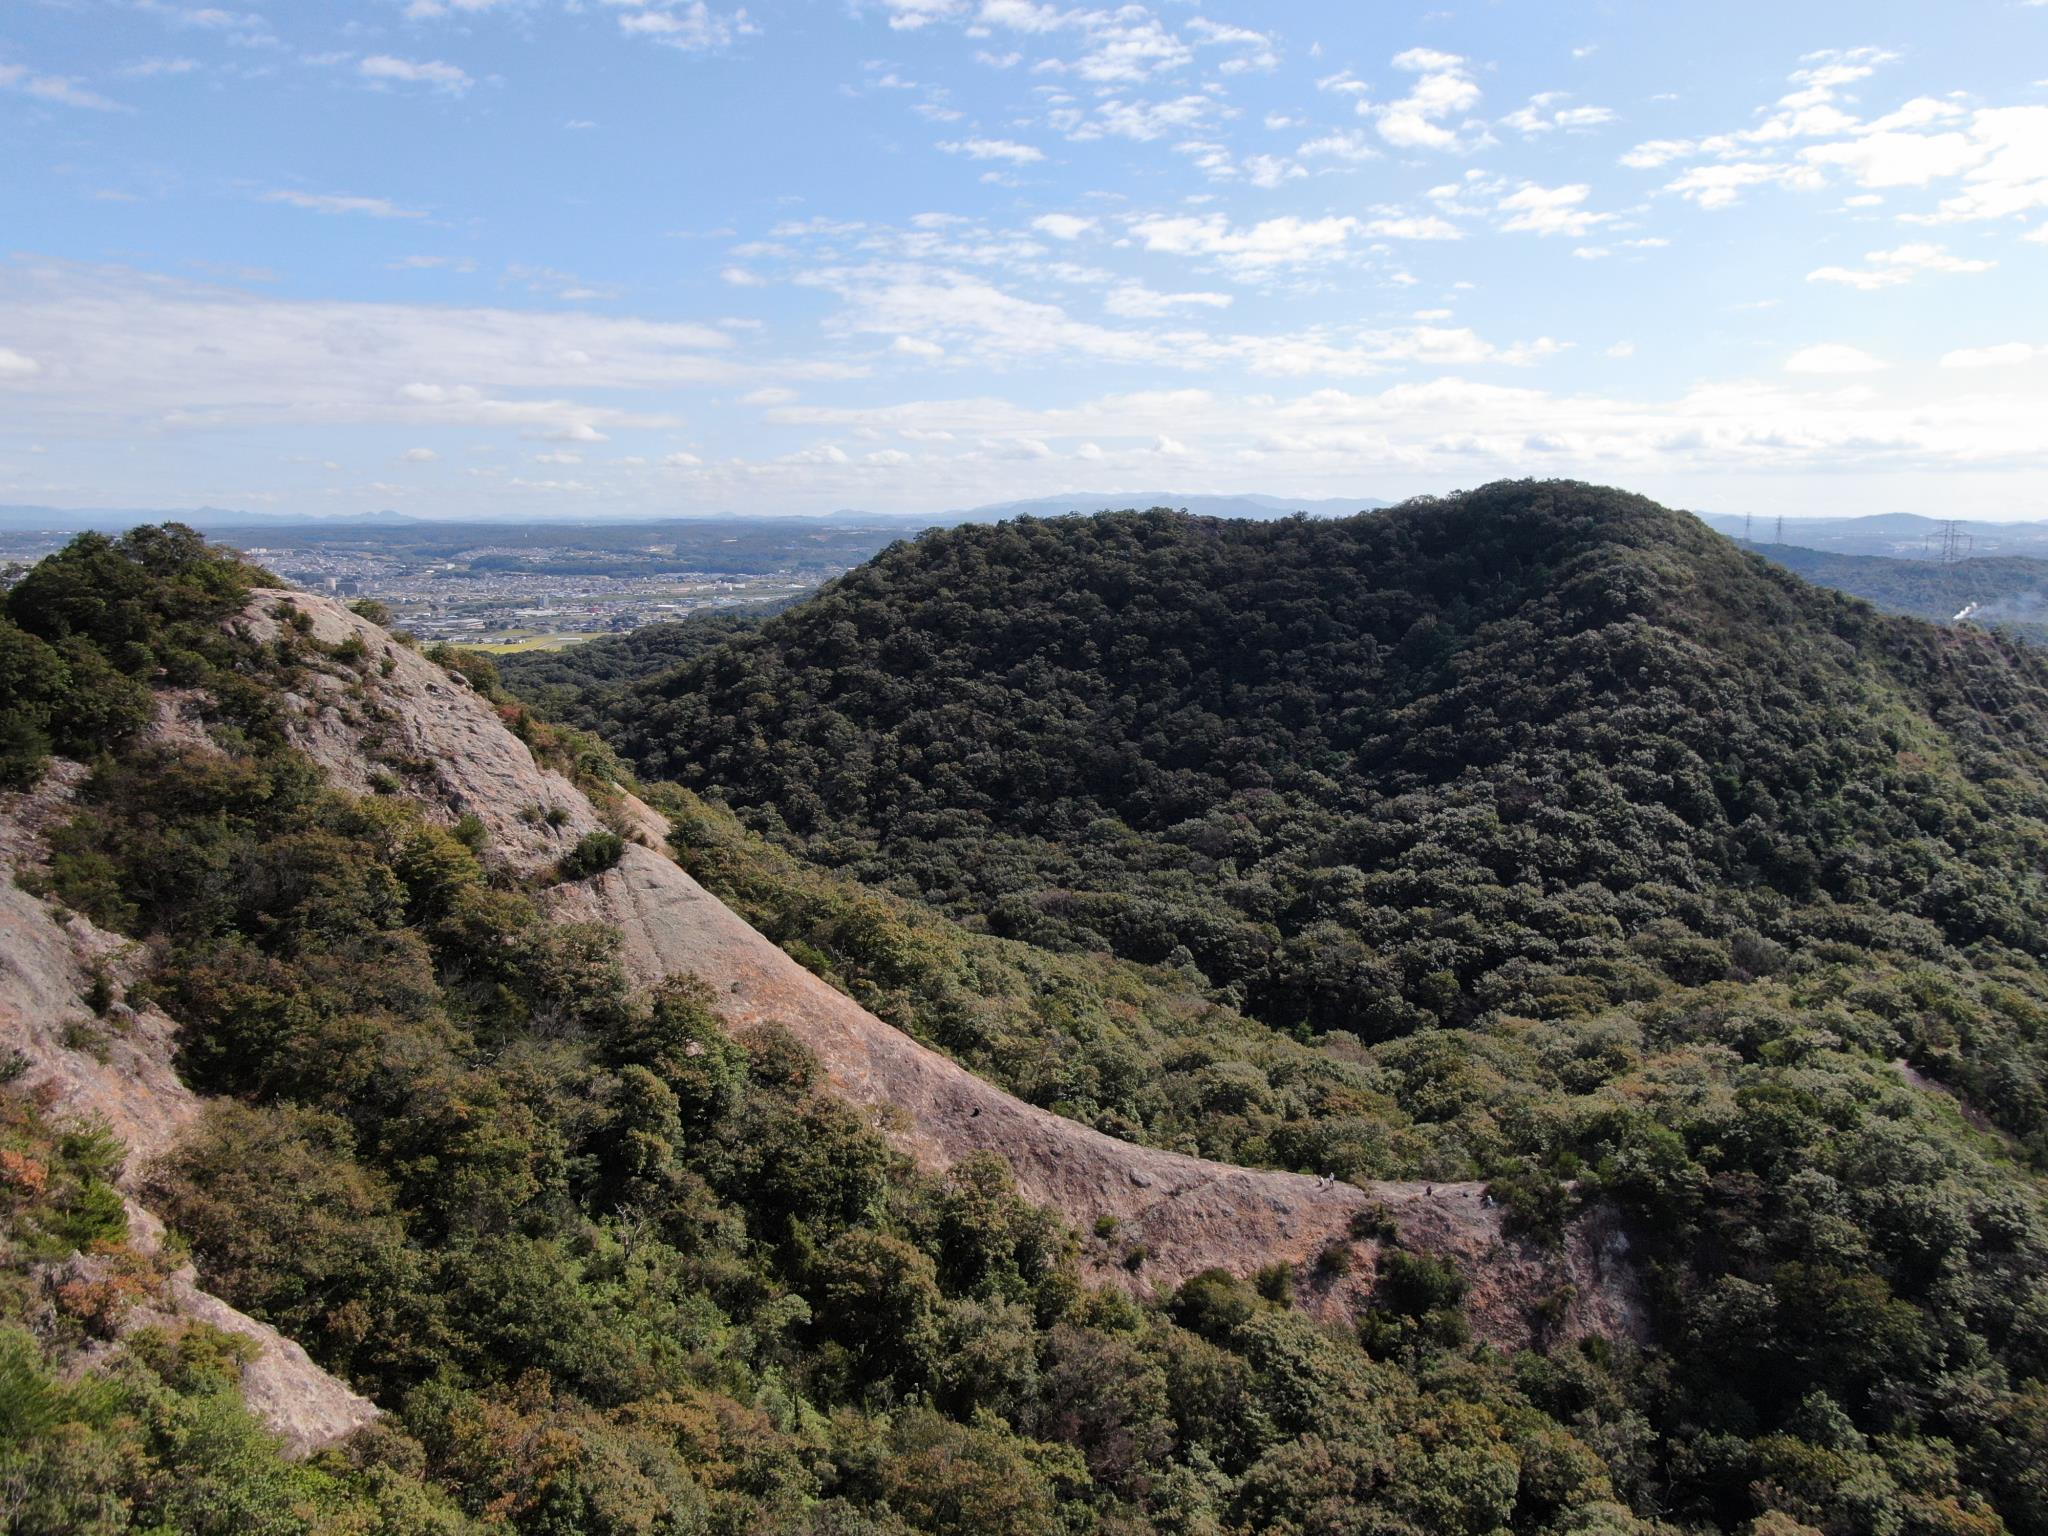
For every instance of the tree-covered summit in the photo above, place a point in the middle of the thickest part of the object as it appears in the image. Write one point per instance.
(1502, 749)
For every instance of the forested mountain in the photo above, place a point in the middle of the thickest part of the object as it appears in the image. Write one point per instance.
(603, 1245)
(2004, 592)
(1505, 751)
(1626, 865)
(1561, 845)
(575, 680)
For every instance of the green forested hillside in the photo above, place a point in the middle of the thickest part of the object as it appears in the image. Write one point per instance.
(575, 682)
(610, 1270)
(1617, 861)
(607, 1269)
(1523, 750)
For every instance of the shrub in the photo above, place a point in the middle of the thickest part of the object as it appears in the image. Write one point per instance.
(597, 852)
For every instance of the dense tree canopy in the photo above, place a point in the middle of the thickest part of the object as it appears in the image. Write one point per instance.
(1381, 773)
(610, 1269)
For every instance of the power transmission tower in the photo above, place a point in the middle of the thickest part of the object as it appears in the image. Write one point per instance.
(1746, 517)
(1781, 528)
(1955, 544)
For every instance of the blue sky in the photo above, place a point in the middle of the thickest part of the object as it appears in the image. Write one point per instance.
(619, 257)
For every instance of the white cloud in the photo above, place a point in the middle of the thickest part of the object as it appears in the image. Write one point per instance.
(60, 89)
(1898, 159)
(441, 76)
(1062, 226)
(1345, 144)
(1544, 114)
(1832, 357)
(1722, 186)
(150, 352)
(1135, 301)
(150, 69)
(1657, 152)
(1622, 349)
(420, 456)
(2005, 355)
(1141, 121)
(1891, 269)
(1256, 51)
(1128, 47)
(15, 365)
(741, 277)
(336, 202)
(1266, 246)
(1006, 150)
(691, 27)
(1443, 91)
(1550, 210)
(1395, 225)
(2012, 174)
(1270, 171)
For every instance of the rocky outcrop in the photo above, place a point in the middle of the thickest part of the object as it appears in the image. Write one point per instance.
(1172, 1216)
(113, 1064)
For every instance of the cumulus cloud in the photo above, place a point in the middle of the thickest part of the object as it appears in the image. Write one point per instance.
(1345, 144)
(384, 69)
(1266, 246)
(1138, 120)
(15, 365)
(1430, 115)
(1546, 114)
(1062, 226)
(1996, 156)
(688, 25)
(1722, 186)
(1539, 210)
(1007, 150)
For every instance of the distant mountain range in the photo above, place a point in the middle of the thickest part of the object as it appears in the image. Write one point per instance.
(1202, 505)
(1899, 535)
(19, 519)
(1894, 535)
(220, 519)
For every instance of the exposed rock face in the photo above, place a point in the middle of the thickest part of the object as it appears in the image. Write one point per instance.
(1187, 1214)
(118, 1069)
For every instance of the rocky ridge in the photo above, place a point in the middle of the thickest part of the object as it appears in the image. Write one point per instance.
(115, 1066)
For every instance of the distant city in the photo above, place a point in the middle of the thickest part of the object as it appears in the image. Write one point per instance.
(519, 586)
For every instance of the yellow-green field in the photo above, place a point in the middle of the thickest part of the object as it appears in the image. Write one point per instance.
(528, 642)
